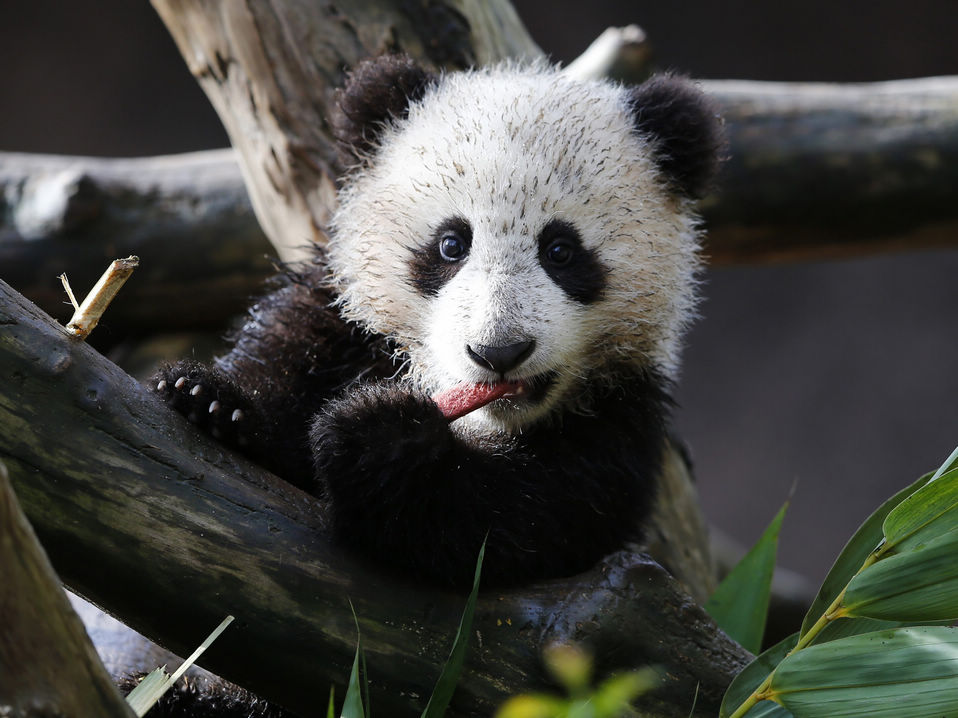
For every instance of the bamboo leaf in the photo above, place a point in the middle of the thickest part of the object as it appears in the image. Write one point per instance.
(695, 700)
(148, 691)
(926, 514)
(740, 603)
(570, 666)
(950, 463)
(920, 585)
(865, 540)
(614, 696)
(903, 673)
(846, 627)
(769, 709)
(446, 685)
(353, 703)
(749, 679)
(533, 705)
(144, 697)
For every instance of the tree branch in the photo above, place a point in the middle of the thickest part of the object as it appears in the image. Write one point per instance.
(47, 664)
(165, 528)
(270, 71)
(187, 217)
(824, 170)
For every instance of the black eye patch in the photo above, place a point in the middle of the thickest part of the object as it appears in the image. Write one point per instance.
(436, 262)
(576, 270)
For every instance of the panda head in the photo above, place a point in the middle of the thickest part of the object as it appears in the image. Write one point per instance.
(515, 224)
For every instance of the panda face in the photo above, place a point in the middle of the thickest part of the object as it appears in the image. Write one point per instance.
(515, 227)
(510, 308)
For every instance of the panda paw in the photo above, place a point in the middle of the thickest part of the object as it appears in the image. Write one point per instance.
(207, 398)
(376, 430)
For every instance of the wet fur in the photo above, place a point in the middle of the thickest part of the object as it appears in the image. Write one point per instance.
(328, 382)
(324, 406)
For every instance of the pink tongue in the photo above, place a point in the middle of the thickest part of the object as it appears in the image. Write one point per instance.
(463, 398)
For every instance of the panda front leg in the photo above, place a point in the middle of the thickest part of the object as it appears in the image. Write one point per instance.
(212, 401)
(404, 490)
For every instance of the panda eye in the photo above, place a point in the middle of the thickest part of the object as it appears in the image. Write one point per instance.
(452, 247)
(560, 252)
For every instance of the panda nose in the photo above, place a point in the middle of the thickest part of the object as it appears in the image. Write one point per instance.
(501, 358)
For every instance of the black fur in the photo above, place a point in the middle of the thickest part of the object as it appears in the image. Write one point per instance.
(407, 491)
(427, 269)
(376, 91)
(403, 488)
(686, 130)
(318, 401)
(582, 277)
(291, 355)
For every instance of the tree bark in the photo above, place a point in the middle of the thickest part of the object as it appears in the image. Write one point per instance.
(818, 171)
(270, 71)
(168, 530)
(48, 667)
(187, 217)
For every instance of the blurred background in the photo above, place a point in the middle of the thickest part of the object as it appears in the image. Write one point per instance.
(837, 379)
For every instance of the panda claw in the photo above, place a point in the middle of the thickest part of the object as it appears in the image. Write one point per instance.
(237, 415)
(196, 390)
(180, 383)
(214, 407)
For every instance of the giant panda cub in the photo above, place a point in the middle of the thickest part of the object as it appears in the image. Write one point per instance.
(484, 350)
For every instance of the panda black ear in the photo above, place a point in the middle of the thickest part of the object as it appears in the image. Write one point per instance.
(685, 129)
(375, 91)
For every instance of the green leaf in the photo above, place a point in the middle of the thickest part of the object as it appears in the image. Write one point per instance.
(353, 703)
(446, 685)
(926, 514)
(570, 666)
(143, 697)
(740, 603)
(749, 679)
(845, 627)
(920, 585)
(769, 709)
(949, 464)
(614, 696)
(357, 691)
(148, 691)
(533, 705)
(331, 708)
(903, 673)
(695, 700)
(858, 548)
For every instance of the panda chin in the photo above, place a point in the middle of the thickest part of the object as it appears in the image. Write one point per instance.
(516, 412)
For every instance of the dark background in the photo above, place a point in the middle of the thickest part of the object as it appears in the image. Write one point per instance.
(838, 378)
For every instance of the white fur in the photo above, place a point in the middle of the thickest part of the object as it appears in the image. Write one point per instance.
(509, 149)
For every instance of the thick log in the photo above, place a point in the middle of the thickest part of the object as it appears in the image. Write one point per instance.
(270, 71)
(823, 170)
(187, 217)
(169, 531)
(48, 667)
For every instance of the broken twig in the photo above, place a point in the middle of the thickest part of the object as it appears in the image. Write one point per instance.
(86, 316)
